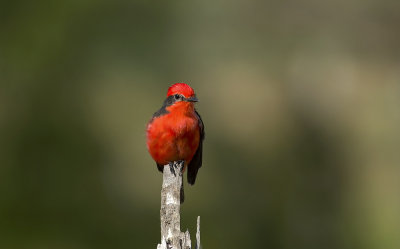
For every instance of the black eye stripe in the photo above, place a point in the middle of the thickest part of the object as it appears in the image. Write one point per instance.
(178, 97)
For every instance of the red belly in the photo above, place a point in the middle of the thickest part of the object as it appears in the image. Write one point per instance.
(171, 138)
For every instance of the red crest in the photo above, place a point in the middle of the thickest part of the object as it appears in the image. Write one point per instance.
(180, 88)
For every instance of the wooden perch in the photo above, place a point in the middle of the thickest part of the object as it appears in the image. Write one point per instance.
(171, 235)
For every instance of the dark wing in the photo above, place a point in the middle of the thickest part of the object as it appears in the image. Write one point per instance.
(197, 159)
(160, 167)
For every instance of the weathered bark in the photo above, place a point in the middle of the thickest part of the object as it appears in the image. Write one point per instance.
(171, 235)
(198, 233)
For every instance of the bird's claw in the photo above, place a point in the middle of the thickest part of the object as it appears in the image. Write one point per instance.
(174, 166)
(181, 162)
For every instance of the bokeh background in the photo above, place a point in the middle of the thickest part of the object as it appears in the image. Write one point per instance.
(300, 101)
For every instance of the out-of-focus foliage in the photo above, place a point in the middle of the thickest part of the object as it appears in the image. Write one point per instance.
(300, 100)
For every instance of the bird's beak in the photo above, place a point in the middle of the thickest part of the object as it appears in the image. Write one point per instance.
(192, 99)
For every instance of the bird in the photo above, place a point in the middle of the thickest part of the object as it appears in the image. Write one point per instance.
(176, 132)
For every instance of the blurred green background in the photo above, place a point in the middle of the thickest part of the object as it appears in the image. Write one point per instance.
(300, 101)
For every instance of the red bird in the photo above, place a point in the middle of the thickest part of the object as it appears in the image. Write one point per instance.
(176, 131)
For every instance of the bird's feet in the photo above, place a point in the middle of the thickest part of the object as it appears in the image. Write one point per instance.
(173, 167)
(182, 163)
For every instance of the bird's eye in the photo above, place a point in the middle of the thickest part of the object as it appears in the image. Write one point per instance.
(177, 96)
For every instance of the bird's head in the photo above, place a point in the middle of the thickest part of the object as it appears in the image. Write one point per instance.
(182, 92)
(180, 96)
